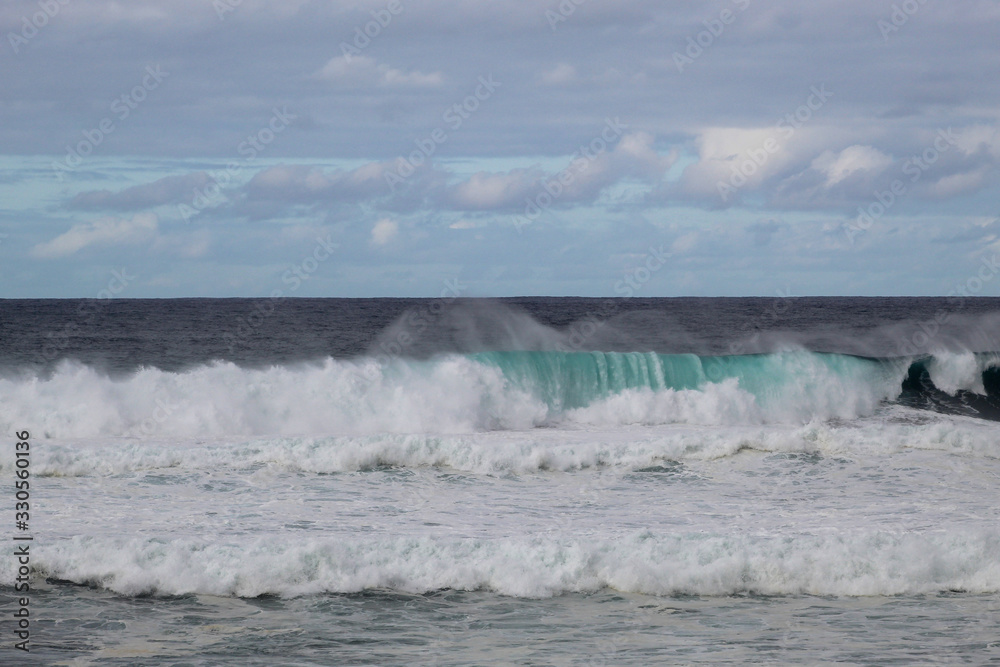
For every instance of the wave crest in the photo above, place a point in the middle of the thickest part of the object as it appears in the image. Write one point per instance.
(843, 564)
(473, 393)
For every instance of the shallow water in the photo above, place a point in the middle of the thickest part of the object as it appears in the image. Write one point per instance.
(85, 626)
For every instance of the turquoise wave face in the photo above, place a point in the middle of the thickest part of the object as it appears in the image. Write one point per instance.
(567, 380)
(967, 384)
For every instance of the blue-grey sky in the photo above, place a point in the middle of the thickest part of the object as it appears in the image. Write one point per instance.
(162, 148)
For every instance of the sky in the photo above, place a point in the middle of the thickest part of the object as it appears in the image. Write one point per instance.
(221, 148)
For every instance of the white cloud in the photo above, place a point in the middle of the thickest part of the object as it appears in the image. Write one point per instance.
(633, 156)
(306, 182)
(106, 231)
(560, 75)
(838, 166)
(722, 150)
(582, 179)
(362, 70)
(636, 149)
(484, 190)
(684, 243)
(284, 177)
(955, 184)
(384, 231)
(978, 137)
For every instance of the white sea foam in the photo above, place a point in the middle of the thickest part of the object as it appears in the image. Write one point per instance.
(715, 404)
(563, 449)
(451, 394)
(840, 564)
(952, 371)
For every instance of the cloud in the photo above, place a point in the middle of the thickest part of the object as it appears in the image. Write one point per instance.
(937, 165)
(560, 75)
(430, 186)
(306, 183)
(634, 156)
(955, 184)
(465, 223)
(364, 71)
(684, 243)
(763, 231)
(384, 231)
(581, 180)
(167, 190)
(106, 231)
(838, 166)
(725, 151)
(979, 139)
(486, 190)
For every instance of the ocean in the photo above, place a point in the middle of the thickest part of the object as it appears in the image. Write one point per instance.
(524, 481)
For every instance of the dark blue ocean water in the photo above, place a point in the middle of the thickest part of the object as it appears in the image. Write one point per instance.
(122, 334)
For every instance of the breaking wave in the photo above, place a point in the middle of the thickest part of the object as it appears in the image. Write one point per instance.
(493, 391)
(841, 564)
